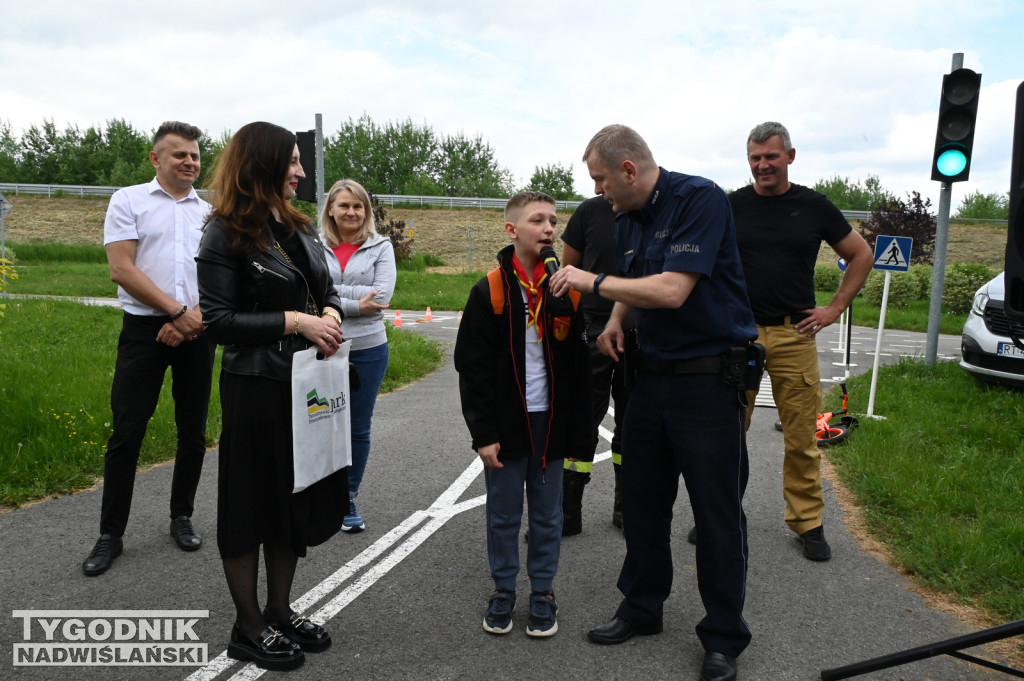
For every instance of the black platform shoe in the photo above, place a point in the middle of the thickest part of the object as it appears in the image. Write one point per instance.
(271, 651)
(310, 636)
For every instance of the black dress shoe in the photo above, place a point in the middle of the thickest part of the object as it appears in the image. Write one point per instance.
(271, 651)
(108, 547)
(310, 636)
(184, 536)
(617, 631)
(718, 667)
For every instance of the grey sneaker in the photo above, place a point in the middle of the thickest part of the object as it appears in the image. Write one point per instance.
(352, 522)
(500, 607)
(543, 610)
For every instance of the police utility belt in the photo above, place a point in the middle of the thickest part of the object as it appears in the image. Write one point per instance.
(741, 367)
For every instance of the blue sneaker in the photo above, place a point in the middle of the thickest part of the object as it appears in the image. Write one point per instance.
(500, 607)
(543, 610)
(352, 522)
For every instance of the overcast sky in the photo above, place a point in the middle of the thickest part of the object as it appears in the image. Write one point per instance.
(858, 88)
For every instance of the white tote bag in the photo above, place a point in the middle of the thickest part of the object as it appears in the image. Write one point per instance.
(321, 417)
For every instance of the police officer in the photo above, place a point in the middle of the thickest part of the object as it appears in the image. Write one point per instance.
(681, 274)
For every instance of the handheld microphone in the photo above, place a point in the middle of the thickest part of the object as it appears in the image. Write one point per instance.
(547, 254)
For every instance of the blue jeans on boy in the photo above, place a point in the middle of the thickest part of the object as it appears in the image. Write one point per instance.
(372, 364)
(544, 509)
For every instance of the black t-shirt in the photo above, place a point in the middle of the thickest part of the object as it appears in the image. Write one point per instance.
(778, 239)
(591, 231)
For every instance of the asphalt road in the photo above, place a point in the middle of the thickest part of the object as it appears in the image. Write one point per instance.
(405, 599)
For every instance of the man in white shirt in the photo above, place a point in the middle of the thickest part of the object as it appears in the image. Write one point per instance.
(151, 235)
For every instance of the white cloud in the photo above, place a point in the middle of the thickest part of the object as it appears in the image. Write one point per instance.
(857, 86)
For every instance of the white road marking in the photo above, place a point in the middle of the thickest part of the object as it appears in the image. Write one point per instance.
(430, 521)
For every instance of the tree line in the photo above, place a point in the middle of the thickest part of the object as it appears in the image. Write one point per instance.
(398, 157)
(395, 157)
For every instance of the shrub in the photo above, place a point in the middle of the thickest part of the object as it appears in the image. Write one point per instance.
(393, 229)
(827, 277)
(923, 274)
(896, 218)
(903, 288)
(963, 279)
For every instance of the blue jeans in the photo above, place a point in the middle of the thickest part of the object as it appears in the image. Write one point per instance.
(505, 513)
(372, 364)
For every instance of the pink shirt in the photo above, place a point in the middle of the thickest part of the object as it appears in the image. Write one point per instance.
(343, 252)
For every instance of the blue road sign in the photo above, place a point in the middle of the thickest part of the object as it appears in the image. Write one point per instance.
(893, 253)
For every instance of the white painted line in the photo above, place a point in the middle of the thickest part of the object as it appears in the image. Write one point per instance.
(445, 507)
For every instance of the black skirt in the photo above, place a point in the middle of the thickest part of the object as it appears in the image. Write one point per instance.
(255, 504)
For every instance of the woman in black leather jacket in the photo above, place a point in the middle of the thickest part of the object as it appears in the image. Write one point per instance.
(266, 293)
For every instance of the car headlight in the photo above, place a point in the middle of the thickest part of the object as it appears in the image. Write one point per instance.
(980, 301)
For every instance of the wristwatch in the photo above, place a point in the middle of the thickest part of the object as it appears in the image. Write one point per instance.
(597, 283)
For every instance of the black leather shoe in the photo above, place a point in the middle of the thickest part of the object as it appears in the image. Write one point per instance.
(108, 547)
(617, 631)
(310, 636)
(718, 667)
(184, 536)
(815, 546)
(271, 651)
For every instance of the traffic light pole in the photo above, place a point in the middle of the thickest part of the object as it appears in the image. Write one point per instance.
(938, 274)
(931, 347)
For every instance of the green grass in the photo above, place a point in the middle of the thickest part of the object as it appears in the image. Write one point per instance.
(913, 317)
(941, 479)
(81, 271)
(74, 279)
(45, 252)
(55, 396)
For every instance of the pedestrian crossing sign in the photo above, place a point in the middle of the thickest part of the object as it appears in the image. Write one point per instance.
(893, 253)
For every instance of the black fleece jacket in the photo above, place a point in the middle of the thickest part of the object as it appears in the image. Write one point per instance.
(490, 357)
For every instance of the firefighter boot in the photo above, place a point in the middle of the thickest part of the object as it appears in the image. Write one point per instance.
(617, 504)
(573, 483)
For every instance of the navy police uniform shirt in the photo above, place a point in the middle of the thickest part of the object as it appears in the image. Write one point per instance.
(686, 225)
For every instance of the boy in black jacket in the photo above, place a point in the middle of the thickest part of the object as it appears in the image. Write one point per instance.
(524, 379)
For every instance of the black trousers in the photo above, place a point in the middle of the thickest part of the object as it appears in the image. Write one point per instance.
(689, 425)
(138, 378)
(607, 384)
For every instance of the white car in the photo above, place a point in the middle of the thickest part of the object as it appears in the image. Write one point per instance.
(986, 348)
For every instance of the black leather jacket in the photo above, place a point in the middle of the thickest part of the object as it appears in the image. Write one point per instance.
(242, 295)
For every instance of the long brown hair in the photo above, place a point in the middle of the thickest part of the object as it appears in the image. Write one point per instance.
(247, 184)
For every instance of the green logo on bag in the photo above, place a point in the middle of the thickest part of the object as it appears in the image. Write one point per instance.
(315, 404)
(319, 408)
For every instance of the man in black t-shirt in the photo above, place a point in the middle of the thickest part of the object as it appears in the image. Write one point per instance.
(779, 230)
(589, 244)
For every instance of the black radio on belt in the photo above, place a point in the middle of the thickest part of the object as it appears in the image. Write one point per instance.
(743, 366)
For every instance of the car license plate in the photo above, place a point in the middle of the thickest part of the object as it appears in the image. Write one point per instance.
(1009, 350)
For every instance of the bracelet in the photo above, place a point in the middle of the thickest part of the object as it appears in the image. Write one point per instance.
(295, 318)
(334, 315)
(183, 310)
(597, 283)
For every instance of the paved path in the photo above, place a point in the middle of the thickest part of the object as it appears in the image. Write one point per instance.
(405, 598)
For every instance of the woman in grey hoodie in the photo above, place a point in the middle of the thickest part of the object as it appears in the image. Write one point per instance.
(362, 264)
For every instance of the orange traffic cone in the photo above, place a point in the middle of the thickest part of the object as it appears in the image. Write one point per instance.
(398, 318)
(430, 315)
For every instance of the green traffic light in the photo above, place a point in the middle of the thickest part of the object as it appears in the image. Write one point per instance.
(951, 162)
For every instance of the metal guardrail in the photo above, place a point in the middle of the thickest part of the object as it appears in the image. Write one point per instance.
(387, 199)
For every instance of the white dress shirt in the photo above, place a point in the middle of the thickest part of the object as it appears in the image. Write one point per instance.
(168, 231)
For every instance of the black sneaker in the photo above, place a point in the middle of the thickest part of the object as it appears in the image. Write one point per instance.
(500, 607)
(815, 546)
(543, 610)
